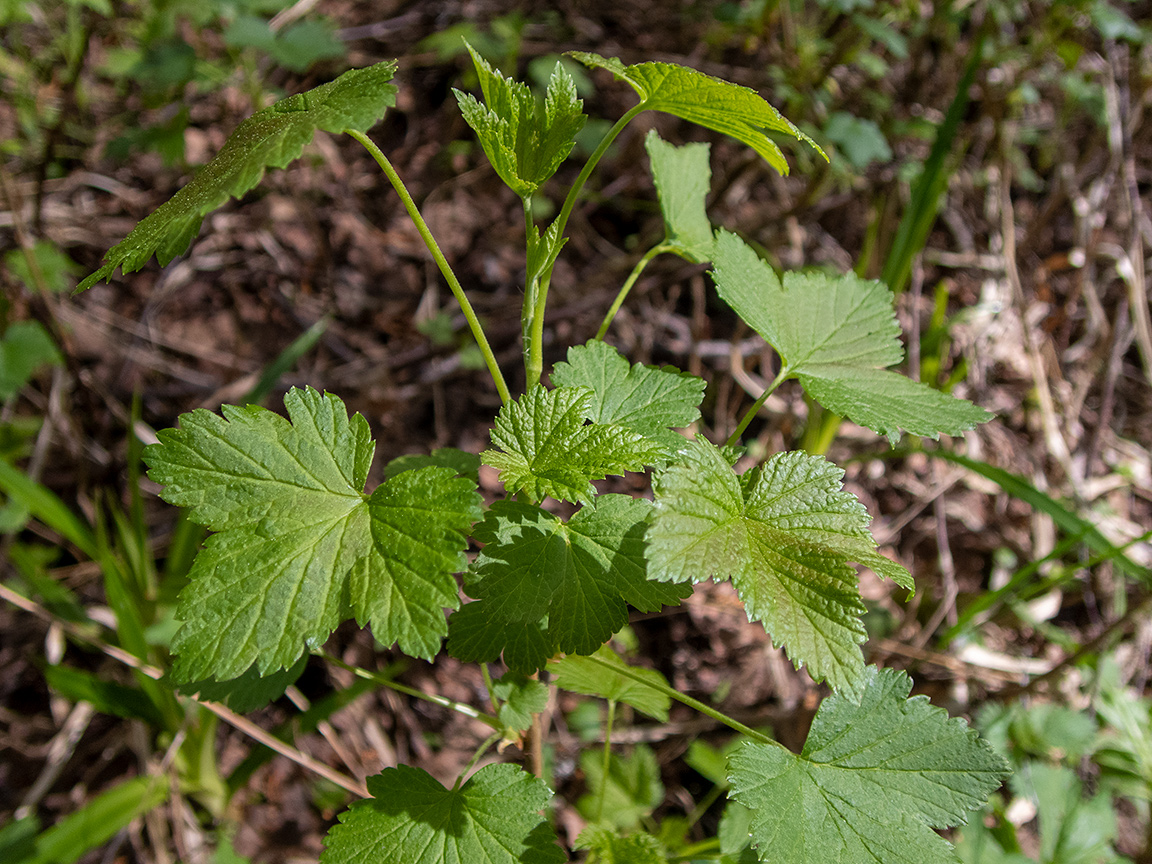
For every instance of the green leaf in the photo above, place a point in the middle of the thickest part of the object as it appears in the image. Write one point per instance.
(494, 817)
(55, 269)
(608, 847)
(549, 451)
(97, 821)
(544, 586)
(24, 349)
(783, 534)
(106, 697)
(836, 334)
(1073, 829)
(631, 791)
(710, 102)
(299, 546)
(250, 691)
(524, 141)
(520, 698)
(268, 139)
(872, 782)
(860, 140)
(463, 463)
(649, 400)
(683, 178)
(584, 675)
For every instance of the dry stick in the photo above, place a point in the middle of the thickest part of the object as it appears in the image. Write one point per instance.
(229, 716)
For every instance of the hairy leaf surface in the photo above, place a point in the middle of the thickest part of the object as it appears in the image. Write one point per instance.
(494, 818)
(649, 400)
(299, 546)
(836, 334)
(268, 139)
(710, 102)
(524, 142)
(544, 586)
(683, 178)
(547, 449)
(874, 778)
(783, 534)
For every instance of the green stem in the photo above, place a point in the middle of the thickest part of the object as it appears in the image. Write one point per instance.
(480, 751)
(672, 693)
(488, 685)
(627, 286)
(441, 262)
(756, 406)
(534, 366)
(531, 289)
(702, 806)
(606, 759)
(459, 707)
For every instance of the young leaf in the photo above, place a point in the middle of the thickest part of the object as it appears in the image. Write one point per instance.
(544, 585)
(582, 675)
(715, 104)
(268, 139)
(645, 399)
(493, 817)
(632, 789)
(836, 334)
(784, 535)
(549, 451)
(520, 698)
(298, 541)
(683, 178)
(525, 142)
(463, 463)
(872, 781)
(608, 847)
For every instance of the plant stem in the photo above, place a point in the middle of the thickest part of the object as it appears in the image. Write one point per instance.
(534, 365)
(627, 286)
(756, 406)
(672, 693)
(459, 707)
(441, 262)
(480, 751)
(606, 760)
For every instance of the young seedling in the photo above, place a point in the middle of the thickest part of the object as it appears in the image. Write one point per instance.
(300, 545)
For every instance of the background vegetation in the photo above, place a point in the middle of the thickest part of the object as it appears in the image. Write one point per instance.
(991, 161)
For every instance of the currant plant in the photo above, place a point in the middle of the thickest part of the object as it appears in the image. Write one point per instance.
(299, 545)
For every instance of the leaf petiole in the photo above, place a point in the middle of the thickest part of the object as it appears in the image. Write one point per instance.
(641, 265)
(672, 693)
(480, 751)
(441, 262)
(756, 406)
(459, 707)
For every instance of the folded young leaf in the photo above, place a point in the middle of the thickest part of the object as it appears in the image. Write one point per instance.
(874, 779)
(836, 334)
(544, 586)
(525, 142)
(547, 449)
(298, 540)
(268, 139)
(683, 178)
(520, 698)
(784, 534)
(494, 817)
(649, 400)
(585, 675)
(715, 104)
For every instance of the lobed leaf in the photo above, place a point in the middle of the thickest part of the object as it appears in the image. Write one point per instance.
(649, 400)
(710, 102)
(783, 534)
(547, 449)
(520, 697)
(683, 178)
(268, 139)
(610, 848)
(299, 546)
(525, 142)
(836, 334)
(493, 817)
(874, 779)
(631, 790)
(544, 586)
